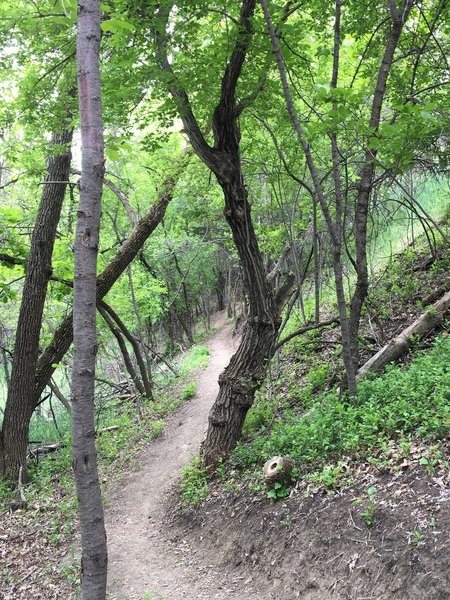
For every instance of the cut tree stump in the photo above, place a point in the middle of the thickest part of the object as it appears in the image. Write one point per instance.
(430, 319)
(278, 469)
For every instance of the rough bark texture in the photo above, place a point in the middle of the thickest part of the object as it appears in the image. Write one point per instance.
(94, 558)
(19, 408)
(245, 373)
(400, 344)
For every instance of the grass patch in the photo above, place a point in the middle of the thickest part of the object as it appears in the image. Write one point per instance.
(194, 485)
(401, 403)
(197, 358)
(189, 391)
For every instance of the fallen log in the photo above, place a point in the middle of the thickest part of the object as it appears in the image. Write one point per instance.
(400, 344)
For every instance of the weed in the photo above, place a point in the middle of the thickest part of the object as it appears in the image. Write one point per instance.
(194, 486)
(328, 477)
(369, 503)
(278, 491)
(286, 522)
(189, 391)
(415, 538)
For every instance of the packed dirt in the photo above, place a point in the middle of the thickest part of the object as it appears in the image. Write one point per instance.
(315, 546)
(142, 564)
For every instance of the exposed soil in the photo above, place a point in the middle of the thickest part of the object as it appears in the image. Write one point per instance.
(321, 548)
(140, 558)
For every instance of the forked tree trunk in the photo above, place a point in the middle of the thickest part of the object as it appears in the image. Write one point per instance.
(94, 558)
(243, 377)
(19, 409)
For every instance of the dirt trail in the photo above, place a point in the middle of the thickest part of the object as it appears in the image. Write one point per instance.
(140, 561)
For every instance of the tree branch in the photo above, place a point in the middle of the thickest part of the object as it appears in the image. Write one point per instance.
(304, 329)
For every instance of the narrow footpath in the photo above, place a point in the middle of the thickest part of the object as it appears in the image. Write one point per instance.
(142, 566)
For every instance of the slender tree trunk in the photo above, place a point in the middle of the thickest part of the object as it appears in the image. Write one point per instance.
(334, 228)
(19, 408)
(146, 372)
(124, 350)
(94, 558)
(365, 184)
(146, 388)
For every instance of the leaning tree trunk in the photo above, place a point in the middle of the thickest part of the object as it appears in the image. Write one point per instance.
(94, 558)
(19, 407)
(239, 382)
(398, 346)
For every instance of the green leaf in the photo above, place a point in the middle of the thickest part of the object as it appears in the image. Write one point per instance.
(112, 153)
(116, 25)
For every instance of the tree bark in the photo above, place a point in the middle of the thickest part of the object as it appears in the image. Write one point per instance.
(402, 342)
(19, 409)
(94, 558)
(239, 382)
(365, 184)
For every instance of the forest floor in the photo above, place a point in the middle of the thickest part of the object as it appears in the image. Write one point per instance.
(321, 543)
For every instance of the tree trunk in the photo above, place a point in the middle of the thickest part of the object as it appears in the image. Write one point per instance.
(365, 184)
(124, 350)
(94, 558)
(19, 409)
(146, 388)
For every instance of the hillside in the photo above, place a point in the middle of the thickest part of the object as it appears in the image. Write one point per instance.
(367, 516)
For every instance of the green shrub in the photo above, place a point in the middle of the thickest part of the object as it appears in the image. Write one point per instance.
(189, 391)
(194, 486)
(398, 404)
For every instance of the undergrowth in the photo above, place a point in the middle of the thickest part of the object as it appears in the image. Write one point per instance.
(399, 404)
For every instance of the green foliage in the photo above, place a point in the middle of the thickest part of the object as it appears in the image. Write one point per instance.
(399, 404)
(369, 504)
(196, 358)
(278, 491)
(189, 391)
(194, 485)
(260, 416)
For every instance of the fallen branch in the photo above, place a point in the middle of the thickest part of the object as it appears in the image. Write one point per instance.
(305, 329)
(36, 452)
(106, 429)
(400, 344)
